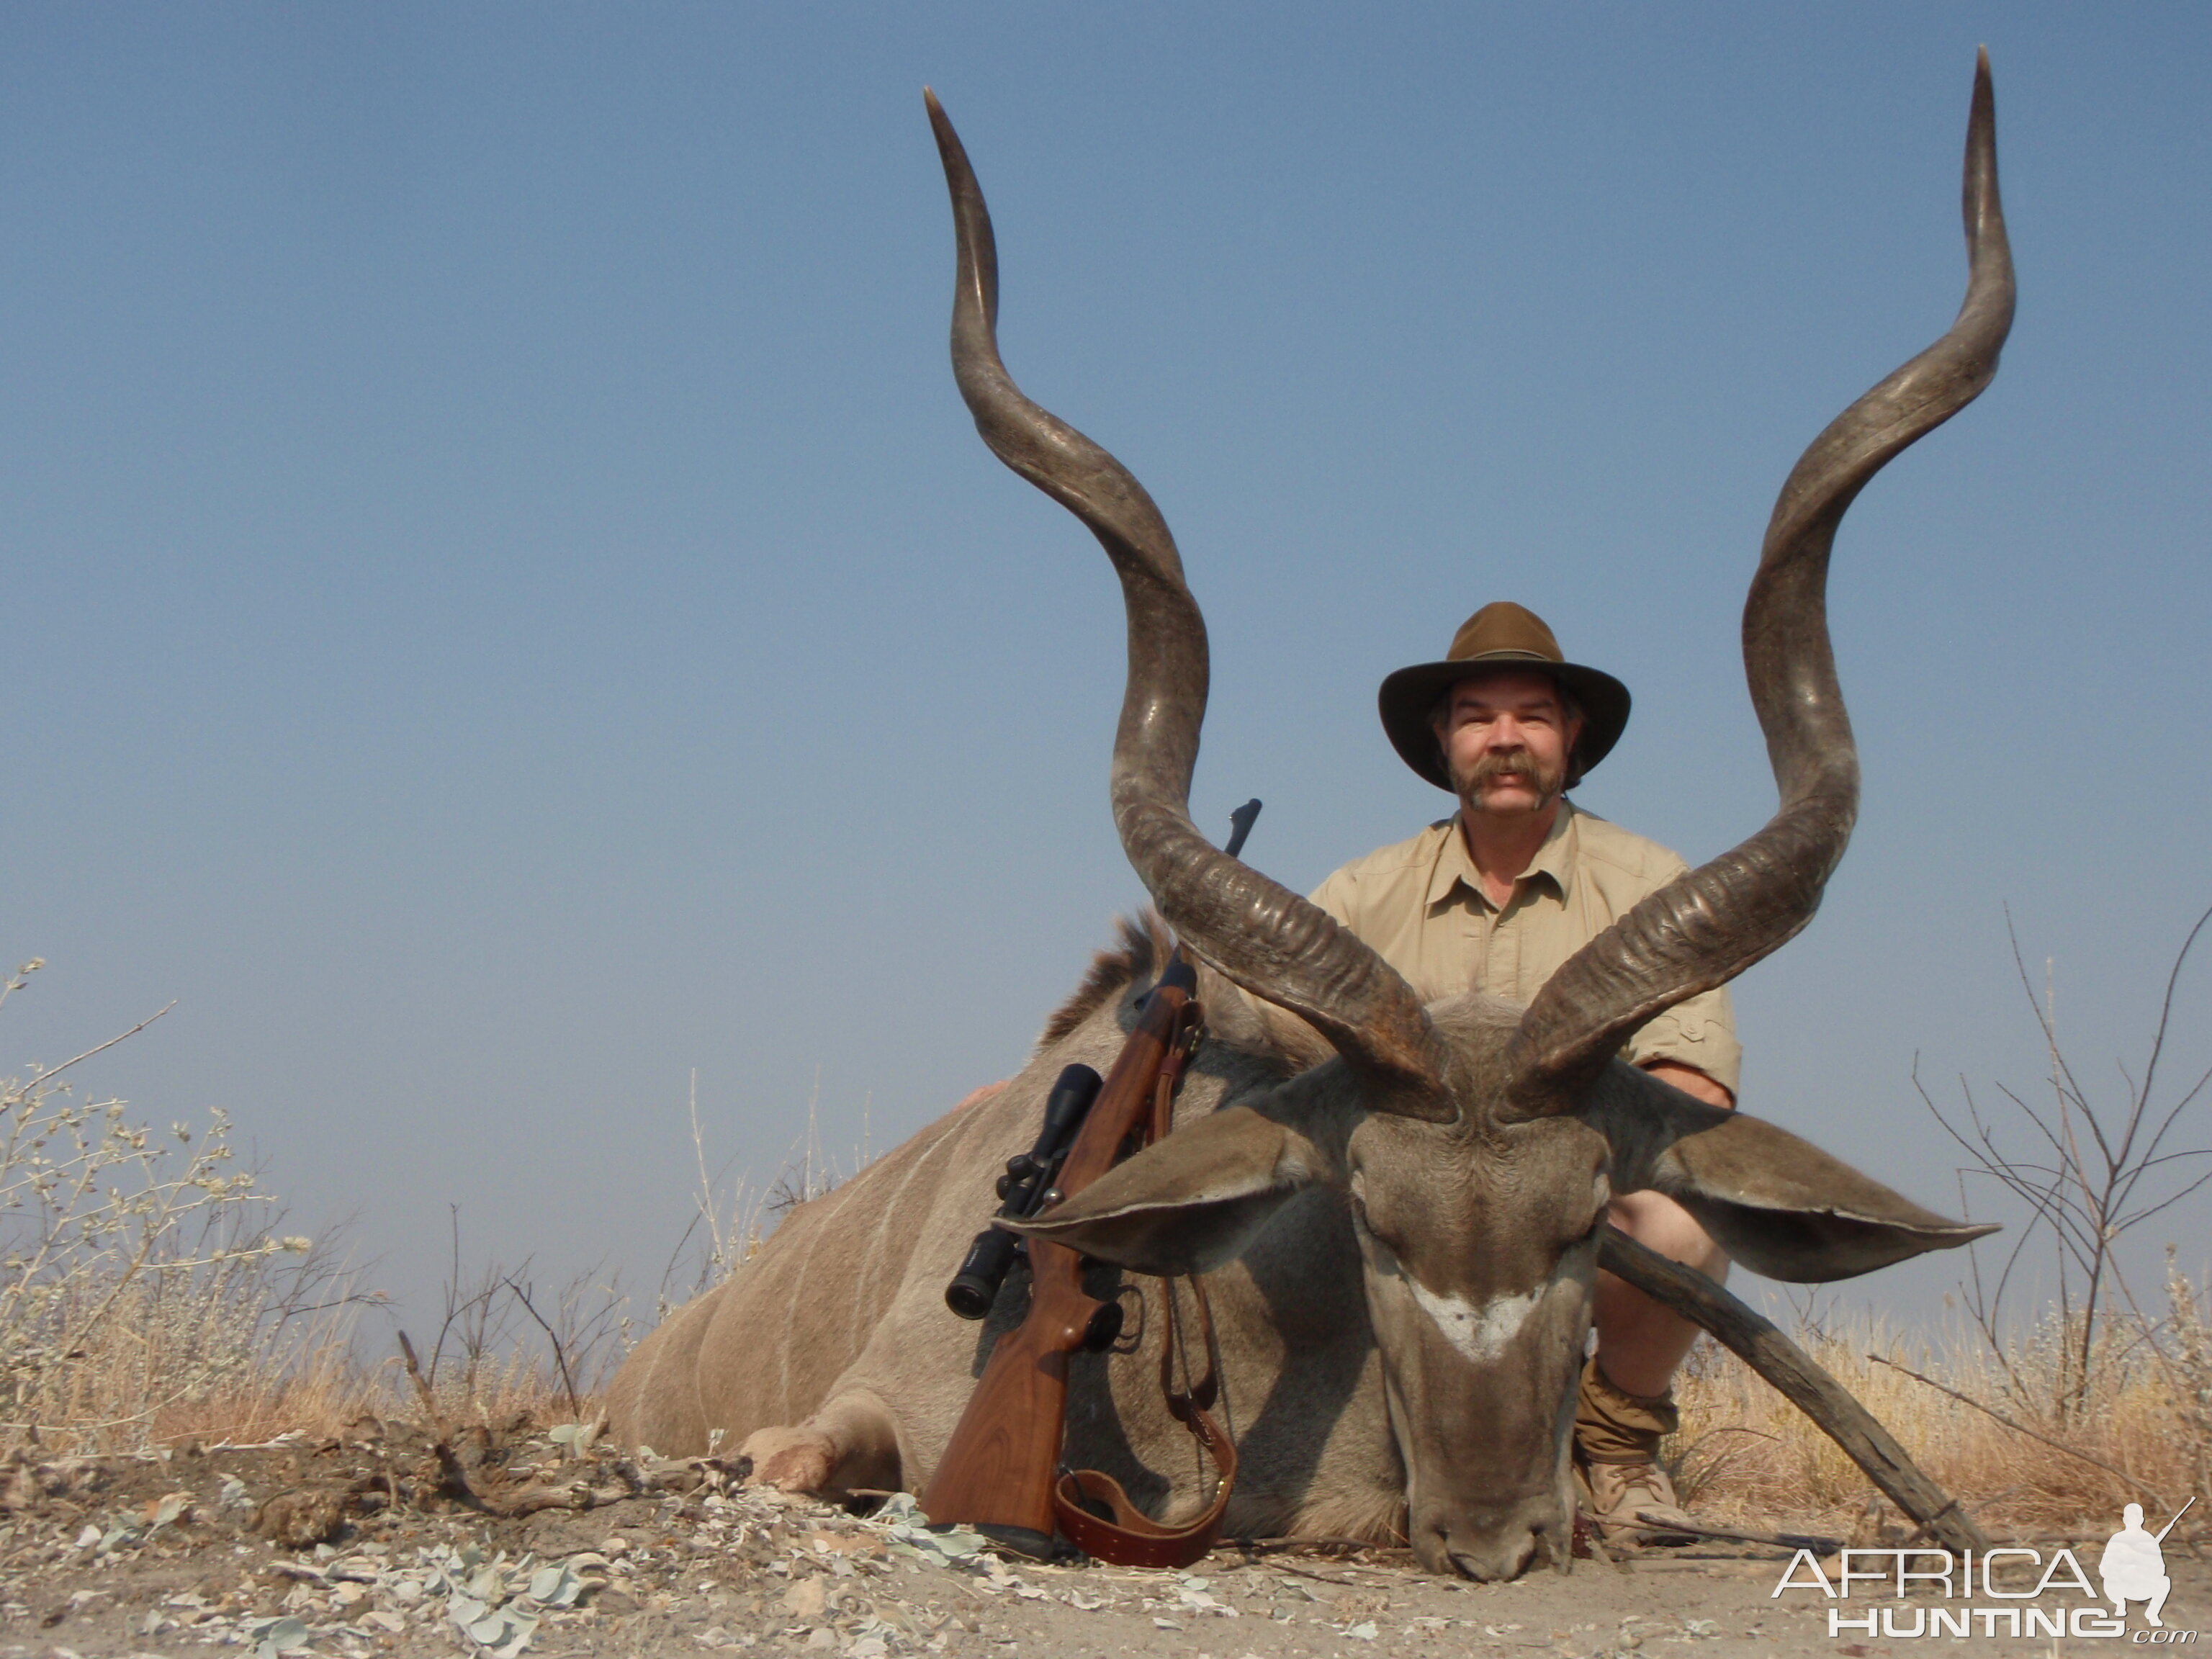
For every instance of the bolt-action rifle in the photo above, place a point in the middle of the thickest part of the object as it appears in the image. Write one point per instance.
(1001, 1471)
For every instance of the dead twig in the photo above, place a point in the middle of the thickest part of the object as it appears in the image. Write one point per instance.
(1780, 1540)
(1276, 1545)
(52, 1072)
(423, 1390)
(452, 1479)
(1585, 1538)
(577, 1495)
(560, 1353)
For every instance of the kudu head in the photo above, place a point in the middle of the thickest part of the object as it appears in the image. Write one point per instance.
(1478, 1143)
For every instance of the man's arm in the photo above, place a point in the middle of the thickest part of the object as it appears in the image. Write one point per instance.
(1691, 1082)
(1693, 1047)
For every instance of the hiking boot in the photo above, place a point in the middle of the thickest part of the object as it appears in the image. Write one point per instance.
(1617, 1473)
(1631, 1492)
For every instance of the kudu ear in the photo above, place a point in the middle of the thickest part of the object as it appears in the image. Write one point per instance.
(1778, 1204)
(1189, 1203)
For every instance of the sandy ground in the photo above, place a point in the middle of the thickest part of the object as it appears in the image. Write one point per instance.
(376, 1545)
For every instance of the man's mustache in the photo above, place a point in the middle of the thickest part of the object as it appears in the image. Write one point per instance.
(1546, 781)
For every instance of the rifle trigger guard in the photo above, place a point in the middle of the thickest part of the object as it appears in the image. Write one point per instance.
(1104, 1329)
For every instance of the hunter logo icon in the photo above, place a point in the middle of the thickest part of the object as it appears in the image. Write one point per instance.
(2133, 1565)
(1917, 1589)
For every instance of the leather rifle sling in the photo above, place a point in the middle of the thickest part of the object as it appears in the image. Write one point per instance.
(1132, 1538)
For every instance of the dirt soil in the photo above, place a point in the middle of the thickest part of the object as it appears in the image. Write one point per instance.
(385, 1542)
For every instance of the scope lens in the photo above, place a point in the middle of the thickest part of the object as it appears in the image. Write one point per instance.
(970, 1299)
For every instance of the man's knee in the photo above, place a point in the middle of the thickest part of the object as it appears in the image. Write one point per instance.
(1658, 1223)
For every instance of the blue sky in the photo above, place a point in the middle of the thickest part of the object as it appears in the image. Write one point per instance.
(506, 607)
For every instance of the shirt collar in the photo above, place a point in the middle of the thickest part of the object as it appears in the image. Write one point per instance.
(1555, 859)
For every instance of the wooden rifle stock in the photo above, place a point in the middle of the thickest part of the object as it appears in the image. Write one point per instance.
(998, 1470)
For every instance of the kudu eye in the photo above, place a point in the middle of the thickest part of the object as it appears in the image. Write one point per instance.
(1600, 1197)
(1356, 1201)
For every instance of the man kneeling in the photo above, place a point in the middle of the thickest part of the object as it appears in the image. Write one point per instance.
(1495, 898)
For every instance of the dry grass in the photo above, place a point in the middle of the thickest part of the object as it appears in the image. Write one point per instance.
(1747, 1455)
(318, 1388)
(317, 1393)
(140, 1271)
(146, 1298)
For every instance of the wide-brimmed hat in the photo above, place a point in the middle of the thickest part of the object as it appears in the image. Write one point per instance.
(1499, 635)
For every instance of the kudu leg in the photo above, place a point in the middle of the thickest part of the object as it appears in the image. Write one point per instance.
(1761, 1346)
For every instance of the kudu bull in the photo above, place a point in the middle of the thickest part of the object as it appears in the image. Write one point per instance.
(1401, 1241)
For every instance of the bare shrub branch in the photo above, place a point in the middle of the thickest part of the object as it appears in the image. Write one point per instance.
(2092, 1175)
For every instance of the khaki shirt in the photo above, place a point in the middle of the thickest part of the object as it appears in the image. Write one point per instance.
(1420, 905)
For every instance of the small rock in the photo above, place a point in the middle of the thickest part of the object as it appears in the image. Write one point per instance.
(805, 1598)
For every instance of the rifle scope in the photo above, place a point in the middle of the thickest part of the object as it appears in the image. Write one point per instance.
(1028, 1178)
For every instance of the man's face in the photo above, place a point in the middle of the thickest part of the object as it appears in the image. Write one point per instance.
(1506, 737)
